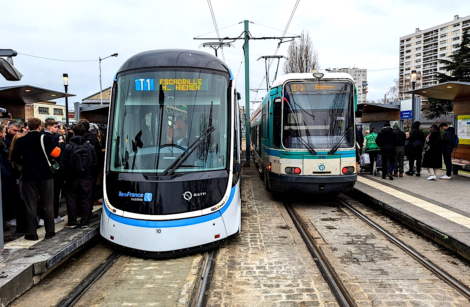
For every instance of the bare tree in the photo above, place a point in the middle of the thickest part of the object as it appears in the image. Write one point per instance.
(393, 92)
(302, 56)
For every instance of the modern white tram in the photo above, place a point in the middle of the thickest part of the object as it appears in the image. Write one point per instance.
(172, 169)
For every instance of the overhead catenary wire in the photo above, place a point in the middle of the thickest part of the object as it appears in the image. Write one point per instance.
(238, 73)
(235, 24)
(279, 45)
(51, 59)
(255, 23)
(215, 25)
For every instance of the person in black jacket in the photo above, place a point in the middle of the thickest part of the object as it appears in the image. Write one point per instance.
(386, 141)
(360, 138)
(78, 185)
(51, 128)
(400, 138)
(433, 152)
(448, 145)
(416, 141)
(37, 177)
(93, 139)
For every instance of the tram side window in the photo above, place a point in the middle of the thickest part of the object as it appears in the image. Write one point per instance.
(235, 139)
(263, 123)
(254, 137)
(277, 123)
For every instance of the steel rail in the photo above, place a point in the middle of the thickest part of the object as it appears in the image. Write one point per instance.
(339, 290)
(206, 278)
(79, 290)
(443, 275)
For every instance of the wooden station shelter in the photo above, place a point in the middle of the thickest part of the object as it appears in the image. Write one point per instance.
(15, 98)
(459, 93)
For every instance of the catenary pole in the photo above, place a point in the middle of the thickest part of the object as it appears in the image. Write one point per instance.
(247, 95)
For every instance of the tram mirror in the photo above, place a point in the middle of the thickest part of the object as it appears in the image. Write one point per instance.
(239, 97)
(9, 71)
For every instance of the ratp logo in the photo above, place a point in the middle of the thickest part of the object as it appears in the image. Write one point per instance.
(321, 167)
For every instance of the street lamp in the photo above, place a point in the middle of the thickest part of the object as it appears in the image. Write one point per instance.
(65, 77)
(101, 88)
(413, 78)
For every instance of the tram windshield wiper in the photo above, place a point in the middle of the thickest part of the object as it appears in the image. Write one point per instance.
(336, 146)
(306, 144)
(185, 155)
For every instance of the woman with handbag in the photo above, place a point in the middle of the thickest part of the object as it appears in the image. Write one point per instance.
(416, 141)
(433, 153)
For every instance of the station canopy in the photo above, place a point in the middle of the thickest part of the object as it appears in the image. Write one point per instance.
(448, 90)
(374, 112)
(23, 94)
(458, 92)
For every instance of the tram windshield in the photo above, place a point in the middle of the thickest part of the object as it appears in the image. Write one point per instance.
(318, 115)
(159, 114)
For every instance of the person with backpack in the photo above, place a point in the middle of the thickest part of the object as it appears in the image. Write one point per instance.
(372, 149)
(449, 140)
(78, 161)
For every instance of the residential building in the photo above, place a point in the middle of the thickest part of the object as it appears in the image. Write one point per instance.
(360, 79)
(45, 110)
(421, 50)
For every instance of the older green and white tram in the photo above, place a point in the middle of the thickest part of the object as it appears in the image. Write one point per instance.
(302, 134)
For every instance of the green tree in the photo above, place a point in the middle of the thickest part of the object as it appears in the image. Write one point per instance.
(459, 67)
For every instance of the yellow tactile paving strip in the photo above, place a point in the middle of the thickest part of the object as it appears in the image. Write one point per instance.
(445, 213)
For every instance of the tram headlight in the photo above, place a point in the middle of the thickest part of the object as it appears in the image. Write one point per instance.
(293, 170)
(348, 170)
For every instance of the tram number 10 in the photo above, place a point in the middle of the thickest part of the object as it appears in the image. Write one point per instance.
(144, 85)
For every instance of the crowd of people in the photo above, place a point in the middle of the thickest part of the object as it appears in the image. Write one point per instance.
(42, 161)
(394, 145)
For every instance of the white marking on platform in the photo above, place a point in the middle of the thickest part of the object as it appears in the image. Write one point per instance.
(445, 213)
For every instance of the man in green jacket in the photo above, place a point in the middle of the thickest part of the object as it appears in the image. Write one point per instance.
(372, 149)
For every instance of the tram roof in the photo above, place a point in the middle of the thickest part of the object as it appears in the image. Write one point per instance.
(309, 76)
(174, 58)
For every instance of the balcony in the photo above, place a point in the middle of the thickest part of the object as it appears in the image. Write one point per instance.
(430, 41)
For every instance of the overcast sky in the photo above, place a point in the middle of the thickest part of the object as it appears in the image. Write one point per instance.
(363, 34)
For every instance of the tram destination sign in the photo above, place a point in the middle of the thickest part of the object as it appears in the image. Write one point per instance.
(181, 84)
(297, 87)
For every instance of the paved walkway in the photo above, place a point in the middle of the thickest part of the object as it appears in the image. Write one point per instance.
(24, 263)
(440, 209)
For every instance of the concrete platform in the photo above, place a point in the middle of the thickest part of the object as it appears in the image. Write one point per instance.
(438, 209)
(25, 263)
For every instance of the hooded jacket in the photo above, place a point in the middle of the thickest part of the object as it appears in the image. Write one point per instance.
(448, 139)
(387, 141)
(416, 138)
(400, 136)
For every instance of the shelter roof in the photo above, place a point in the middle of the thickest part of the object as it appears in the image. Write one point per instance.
(453, 90)
(23, 94)
(377, 107)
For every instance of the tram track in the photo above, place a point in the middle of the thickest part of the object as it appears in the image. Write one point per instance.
(199, 291)
(74, 296)
(341, 293)
(436, 270)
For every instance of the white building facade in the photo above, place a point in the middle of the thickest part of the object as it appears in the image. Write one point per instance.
(360, 79)
(421, 50)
